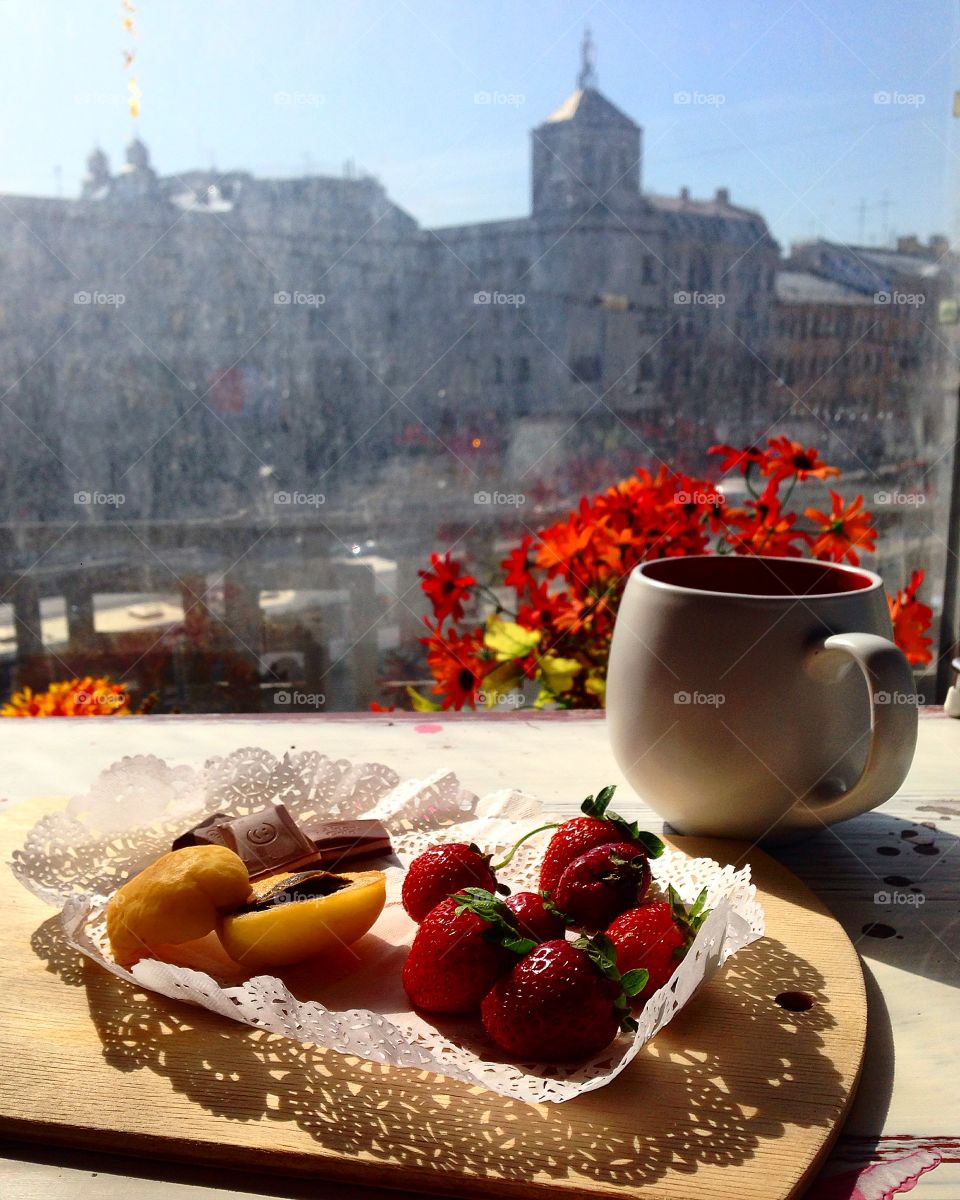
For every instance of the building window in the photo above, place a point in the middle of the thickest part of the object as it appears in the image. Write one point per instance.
(521, 369)
(586, 368)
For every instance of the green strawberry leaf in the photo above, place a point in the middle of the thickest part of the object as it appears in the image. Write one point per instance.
(635, 981)
(503, 924)
(602, 953)
(519, 945)
(598, 807)
(687, 920)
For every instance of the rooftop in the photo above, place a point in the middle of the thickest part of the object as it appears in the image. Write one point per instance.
(803, 287)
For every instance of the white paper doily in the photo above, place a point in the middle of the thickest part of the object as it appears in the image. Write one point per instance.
(76, 858)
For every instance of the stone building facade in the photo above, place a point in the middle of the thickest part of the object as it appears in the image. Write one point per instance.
(195, 340)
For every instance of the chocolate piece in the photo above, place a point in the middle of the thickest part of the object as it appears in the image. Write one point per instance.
(266, 840)
(192, 836)
(271, 840)
(337, 841)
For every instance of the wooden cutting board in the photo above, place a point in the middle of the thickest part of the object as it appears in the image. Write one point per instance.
(738, 1096)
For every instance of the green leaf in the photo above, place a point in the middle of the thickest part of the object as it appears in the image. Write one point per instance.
(630, 829)
(602, 953)
(597, 807)
(421, 703)
(503, 924)
(635, 981)
(508, 640)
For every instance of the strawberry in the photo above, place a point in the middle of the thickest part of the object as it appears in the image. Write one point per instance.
(597, 827)
(536, 916)
(441, 871)
(601, 884)
(656, 937)
(462, 947)
(561, 1002)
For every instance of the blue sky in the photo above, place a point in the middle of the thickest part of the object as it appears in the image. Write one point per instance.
(786, 115)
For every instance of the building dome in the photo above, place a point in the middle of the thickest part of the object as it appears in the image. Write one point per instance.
(98, 165)
(137, 156)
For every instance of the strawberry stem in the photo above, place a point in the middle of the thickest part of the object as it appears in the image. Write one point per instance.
(516, 845)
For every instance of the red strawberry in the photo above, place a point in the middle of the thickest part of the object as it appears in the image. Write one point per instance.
(458, 954)
(441, 871)
(656, 937)
(537, 918)
(602, 883)
(561, 1002)
(597, 828)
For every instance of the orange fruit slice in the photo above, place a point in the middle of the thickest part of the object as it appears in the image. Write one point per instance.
(296, 916)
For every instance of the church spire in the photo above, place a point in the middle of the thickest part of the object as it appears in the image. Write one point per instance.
(587, 77)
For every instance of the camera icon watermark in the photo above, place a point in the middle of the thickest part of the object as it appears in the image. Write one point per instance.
(708, 498)
(700, 99)
(912, 899)
(512, 299)
(908, 299)
(700, 299)
(101, 699)
(900, 99)
(512, 700)
(896, 699)
(308, 299)
(294, 699)
(506, 499)
(105, 299)
(299, 99)
(899, 499)
(509, 99)
(107, 499)
(302, 499)
(707, 699)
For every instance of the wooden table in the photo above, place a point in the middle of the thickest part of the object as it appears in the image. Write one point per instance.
(891, 877)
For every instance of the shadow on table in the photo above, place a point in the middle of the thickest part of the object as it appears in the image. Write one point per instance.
(893, 884)
(687, 1101)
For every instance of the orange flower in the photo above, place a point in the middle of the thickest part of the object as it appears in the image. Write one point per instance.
(911, 620)
(787, 458)
(87, 697)
(562, 543)
(843, 531)
(457, 667)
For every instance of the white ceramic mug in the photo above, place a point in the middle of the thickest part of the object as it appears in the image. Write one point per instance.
(757, 697)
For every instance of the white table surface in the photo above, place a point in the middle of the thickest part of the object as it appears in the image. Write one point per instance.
(909, 1097)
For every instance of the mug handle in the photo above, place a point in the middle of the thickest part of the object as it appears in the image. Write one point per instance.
(893, 722)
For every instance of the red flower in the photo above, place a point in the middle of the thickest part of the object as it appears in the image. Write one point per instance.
(446, 587)
(518, 566)
(741, 457)
(843, 531)
(787, 458)
(911, 620)
(761, 527)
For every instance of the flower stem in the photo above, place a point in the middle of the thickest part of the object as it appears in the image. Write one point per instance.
(516, 846)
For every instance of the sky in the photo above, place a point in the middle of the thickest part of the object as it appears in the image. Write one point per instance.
(831, 119)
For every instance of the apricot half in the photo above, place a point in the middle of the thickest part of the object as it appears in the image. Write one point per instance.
(296, 916)
(176, 899)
